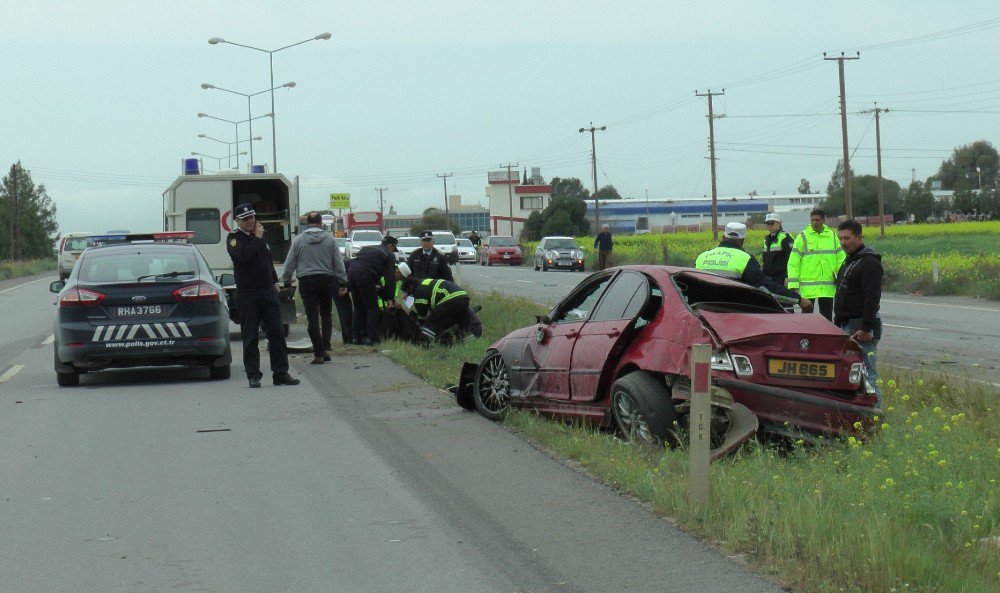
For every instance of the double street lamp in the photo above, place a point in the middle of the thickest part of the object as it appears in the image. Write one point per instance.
(218, 159)
(229, 146)
(270, 63)
(237, 124)
(250, 116)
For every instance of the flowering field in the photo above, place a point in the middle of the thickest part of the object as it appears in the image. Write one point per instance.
(967, 254)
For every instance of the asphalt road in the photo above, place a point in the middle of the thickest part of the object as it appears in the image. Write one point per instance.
(953, 335)
(360, 479)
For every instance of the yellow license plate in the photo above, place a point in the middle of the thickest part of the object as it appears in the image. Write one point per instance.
(799, 369)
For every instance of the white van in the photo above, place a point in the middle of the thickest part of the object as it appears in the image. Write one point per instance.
(70, 248)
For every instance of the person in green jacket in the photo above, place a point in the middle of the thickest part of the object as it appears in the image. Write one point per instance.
(438, 304)
(729, 259)
(812, 266)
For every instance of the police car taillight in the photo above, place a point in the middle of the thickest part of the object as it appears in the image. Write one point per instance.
(195, 292)
(80, 297)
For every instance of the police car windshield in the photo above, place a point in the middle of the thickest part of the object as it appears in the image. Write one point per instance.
(133, 266)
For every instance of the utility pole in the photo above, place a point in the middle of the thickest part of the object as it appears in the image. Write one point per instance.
(381, 205)
(447, 215)
(711, 156)
(510, 196)
(15, 224)
(843, 129)
(878, 156)
(593, 160)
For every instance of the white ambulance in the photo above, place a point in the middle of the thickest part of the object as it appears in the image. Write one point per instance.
(205, 203)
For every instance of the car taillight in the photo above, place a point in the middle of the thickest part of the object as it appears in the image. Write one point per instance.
(196, 292)
(80, 297)
(857, 372)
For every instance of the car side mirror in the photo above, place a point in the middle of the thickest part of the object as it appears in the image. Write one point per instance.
(227, 279)
(542, 319)
(57, 286)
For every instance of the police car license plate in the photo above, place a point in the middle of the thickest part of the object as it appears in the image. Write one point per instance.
(139, 311)
(799, 369)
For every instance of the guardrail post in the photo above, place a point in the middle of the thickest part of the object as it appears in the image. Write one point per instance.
(934, 271)
(699, 486)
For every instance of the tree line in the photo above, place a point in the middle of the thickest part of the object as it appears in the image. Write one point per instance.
(27, 217)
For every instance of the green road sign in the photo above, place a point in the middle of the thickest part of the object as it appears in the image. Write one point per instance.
(340, 201)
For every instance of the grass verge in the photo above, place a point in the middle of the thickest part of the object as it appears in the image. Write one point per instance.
(915, 509)
(25, 267)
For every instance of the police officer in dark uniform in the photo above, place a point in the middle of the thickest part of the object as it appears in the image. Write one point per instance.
(372, 273)
(257, 297)
(428, 262)
(438, 304)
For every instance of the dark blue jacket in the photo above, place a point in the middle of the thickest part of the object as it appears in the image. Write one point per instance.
(603, 241)
(252, 264)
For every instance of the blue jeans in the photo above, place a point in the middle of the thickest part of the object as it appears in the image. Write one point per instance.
(871, 364)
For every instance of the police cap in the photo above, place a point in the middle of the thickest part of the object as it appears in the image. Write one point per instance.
(244, 211)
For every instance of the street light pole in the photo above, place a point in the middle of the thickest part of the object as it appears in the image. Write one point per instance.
(237, 124)
(270, 64)
(218, 159)
(229, 146)
(250, 118)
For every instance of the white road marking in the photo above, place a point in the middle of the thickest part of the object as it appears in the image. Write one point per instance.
(526, 281)
(25, 284)
(942, 305)
(907, 327)
(48, 340)
(10, 373)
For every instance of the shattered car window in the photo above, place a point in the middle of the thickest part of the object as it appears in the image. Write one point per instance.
(704, 295)
(579, 306)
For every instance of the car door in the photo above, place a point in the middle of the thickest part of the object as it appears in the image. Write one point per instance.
(550, 353)
(602, 338)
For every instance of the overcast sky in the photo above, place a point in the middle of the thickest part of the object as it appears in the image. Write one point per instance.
(100, 98)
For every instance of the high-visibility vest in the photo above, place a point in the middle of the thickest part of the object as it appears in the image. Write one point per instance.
(813, 263)
(399, 287)
(432, 292)
(726, 261)
(776, 244)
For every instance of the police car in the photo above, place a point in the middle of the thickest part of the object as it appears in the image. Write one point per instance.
(140, 300)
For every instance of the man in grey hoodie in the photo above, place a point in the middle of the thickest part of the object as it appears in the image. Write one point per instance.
(316, 261)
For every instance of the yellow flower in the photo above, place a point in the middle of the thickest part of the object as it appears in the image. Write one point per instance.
(946, 428)
(965, 513)
(937, 409)
(885, 426)
(890, 482)
(942, 463)
(905, 398)
(857, 425)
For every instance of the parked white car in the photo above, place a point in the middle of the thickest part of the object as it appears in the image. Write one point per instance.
(70, 248)
(364, 238)
(406, 246)
(444, 241)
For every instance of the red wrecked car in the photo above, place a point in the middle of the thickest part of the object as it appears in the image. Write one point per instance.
(616, 352)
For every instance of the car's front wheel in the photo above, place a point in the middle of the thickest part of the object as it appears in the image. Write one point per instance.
(491, 389)
(643, 411)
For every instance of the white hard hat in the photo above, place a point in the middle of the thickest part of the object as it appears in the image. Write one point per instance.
(772, 217)
(736, 230)
(404, 269)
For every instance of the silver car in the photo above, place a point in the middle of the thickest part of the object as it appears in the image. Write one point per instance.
(466, 251)
(558, 253)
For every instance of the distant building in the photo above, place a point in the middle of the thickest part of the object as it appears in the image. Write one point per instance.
(468, 217)
(666, 215)
(511, 202)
